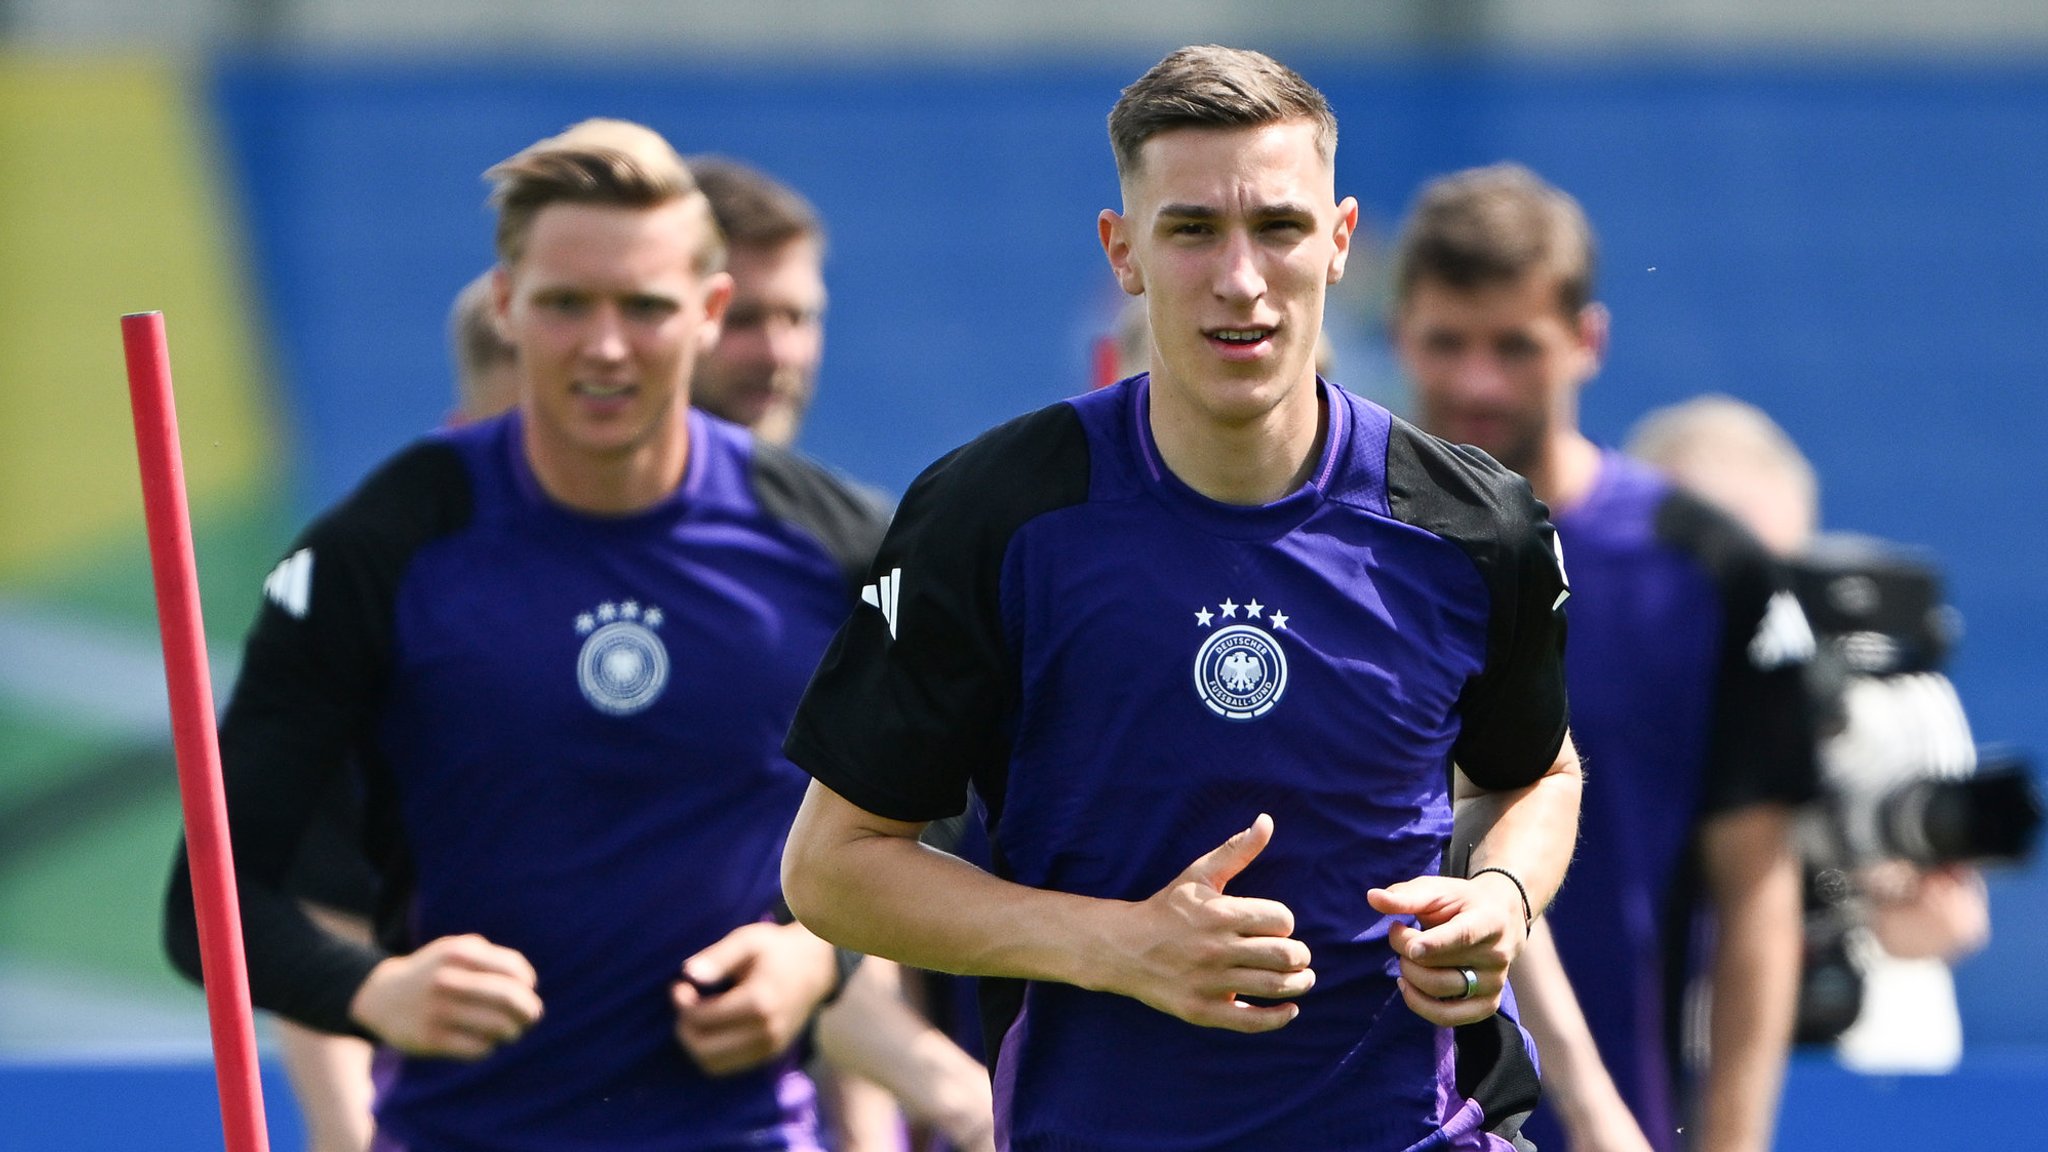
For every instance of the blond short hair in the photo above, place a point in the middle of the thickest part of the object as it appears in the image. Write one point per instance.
(482, 355)
(1734, 456)
(600, 161)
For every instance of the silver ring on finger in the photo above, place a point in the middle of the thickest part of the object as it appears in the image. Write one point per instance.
(1471, 984)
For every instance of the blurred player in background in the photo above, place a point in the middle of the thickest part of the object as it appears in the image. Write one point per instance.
(763, 373)
(775, 245)
(1685, 675)
(561, 647)
(1358, 603)
(1910, 921)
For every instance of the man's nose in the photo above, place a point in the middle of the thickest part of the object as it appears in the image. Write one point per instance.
(1239, 279)
(789, 341)
(606, 339)
(1478, 373)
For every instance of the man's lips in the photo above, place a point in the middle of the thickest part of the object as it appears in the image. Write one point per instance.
(603, 398)
(1246, 342)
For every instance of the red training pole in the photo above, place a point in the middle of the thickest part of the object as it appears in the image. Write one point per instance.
(1105, 362)
(192, 733)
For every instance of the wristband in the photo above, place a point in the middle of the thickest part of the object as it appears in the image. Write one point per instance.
(844, 962)
(1528, 909)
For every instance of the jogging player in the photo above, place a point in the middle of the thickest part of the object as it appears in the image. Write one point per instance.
(562, 647)
(1216, 646)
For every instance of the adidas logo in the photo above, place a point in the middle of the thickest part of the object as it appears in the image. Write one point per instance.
(290, 584)
(1783, 637)
(882, 594)
(1557, 554)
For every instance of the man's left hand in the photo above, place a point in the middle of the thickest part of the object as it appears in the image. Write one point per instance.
(1473, 926)
(744, 1000)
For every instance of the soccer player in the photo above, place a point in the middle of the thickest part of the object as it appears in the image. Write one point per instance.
(763, 373)
(1686, 688)
(561, 646)
(1216, 647)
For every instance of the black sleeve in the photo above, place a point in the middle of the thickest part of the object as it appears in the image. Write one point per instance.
(1761, 745)
(1513, 713)
(916, 695)
(848, 519)
(313, 671)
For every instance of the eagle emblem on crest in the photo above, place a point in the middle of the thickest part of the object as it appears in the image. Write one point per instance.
(1240, 669)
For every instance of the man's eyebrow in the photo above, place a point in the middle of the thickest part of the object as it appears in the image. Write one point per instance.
(1283, 208)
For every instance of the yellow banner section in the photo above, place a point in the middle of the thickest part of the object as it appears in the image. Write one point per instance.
(111, 201)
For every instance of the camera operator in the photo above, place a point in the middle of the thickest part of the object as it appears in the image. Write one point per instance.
(1893, 894)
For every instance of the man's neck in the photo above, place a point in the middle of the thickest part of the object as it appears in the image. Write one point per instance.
(630, 481)
(1253, 463)
(1564, 474)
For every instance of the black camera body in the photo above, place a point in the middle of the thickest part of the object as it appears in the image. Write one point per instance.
(1903, 776)
(1903, 779)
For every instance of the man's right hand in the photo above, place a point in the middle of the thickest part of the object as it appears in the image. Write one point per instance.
(458, 997)
(1190, 951)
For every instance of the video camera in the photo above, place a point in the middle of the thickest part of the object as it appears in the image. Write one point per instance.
(1902, 777)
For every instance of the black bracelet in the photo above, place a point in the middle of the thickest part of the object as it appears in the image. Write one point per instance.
(844, 963)
(1528, 909)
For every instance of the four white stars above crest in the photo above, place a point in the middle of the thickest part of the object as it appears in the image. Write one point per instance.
(607, 612)
(1252, 611)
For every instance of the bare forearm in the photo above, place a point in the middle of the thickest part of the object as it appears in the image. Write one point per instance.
(1529, 831)
(1755, 881)
(893, 897)
(864, 882)
(1575, 1079)
(872, 1031)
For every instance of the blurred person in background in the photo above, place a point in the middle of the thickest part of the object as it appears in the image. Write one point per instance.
(499, 602)
(885, 1051)
(1684, 670)
(763, 373)
(1908, 922)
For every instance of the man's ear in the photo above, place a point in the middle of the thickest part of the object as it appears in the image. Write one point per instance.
(1592, 328)
(501, 302)
(1347, 223)
(1116, 244)
(718, 290)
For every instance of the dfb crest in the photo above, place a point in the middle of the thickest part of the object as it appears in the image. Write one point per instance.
(623, 666)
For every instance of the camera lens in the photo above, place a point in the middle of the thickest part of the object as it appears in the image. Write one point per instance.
(1992, 815)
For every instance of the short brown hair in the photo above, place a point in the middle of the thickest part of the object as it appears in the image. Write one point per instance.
(754, 209)
(1495, 225)
(597, 161)
(1209, 86)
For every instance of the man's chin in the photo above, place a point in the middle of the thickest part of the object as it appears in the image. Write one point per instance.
(777, 426)
(745, 413)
